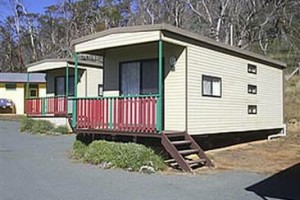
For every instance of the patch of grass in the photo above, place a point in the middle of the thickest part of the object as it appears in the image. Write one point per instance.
(26, 124)
(129, 156)
(79, 149)
(41, 127)
(61, 130)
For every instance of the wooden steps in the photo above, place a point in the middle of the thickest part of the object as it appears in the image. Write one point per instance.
(181, 146)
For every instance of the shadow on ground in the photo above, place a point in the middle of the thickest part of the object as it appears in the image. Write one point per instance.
(283, 185)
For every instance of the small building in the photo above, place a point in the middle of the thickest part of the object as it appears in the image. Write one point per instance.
(162, 81)
(13, 86)
(56, 103)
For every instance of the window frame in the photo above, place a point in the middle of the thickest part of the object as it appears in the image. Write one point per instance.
(141, 74)
(251, 109)
(211, 81)
(251, 88)
(252, 69)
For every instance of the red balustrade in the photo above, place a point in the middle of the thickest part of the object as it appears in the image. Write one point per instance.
(128, 114)
(46, 106)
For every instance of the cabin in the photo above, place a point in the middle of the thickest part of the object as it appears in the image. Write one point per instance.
(13, 88)
(55, 105)
(166, 82)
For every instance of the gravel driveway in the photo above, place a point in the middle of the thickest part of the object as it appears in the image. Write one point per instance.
(36, 167)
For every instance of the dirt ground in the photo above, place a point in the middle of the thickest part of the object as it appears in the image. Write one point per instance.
(261, 156)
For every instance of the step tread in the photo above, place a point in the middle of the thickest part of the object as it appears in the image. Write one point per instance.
(191, 163)
(188, 151)
(170, 160)
(181, 142)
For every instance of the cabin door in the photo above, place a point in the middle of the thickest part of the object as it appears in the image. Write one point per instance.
(130, 78)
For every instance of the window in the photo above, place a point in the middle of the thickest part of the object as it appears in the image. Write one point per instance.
(33, 93)
(252, 109)
(60, 85)
(252, 89)
(139, 77)
(211, 86)
(252, 69)
(100, 90)
(10, 86)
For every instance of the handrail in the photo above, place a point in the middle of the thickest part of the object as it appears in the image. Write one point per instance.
(47, 97)
(114, 97)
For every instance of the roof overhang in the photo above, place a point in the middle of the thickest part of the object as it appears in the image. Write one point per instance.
(52, 64)
(132, 35)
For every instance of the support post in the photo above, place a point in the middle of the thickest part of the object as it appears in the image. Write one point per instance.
(74, 102)
(27, 86)
(160, 84)
(67, 88)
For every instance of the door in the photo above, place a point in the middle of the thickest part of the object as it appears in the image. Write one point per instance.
(130, 78)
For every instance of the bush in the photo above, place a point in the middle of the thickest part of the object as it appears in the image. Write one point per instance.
(61, 130)
(79, 149)
(128, 156)
(26, 124)
(42, 127)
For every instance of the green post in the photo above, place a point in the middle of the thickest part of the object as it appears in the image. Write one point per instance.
(44, 106)
(67, 80)
(74, 108)
(27, 86)
(160, 83)
(67, 88)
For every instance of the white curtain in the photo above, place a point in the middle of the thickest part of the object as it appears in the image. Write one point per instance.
(206, 86)
(216, 83)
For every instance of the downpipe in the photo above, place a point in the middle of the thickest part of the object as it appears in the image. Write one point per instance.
(281, 134)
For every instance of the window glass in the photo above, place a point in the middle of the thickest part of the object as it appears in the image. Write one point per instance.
(207, 86)
(71, 86)
(252, 89)
(60, 86)
(216, 87)
(252, 109)
(10, 86)
(130, 78)
(252, 69)
(139, 77)
(33, 93)
(149, 77)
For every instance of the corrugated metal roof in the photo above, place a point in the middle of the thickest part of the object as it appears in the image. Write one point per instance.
(22, 77)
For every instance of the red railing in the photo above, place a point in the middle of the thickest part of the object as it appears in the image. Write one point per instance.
(128, 114)
(46, 106)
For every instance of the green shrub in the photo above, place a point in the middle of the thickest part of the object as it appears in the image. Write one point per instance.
(126, 156)
(26, 124)
(61, 130)
(42, 127)
(79, 149)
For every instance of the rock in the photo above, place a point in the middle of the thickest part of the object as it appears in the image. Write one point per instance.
(105, 165)
(147, 169)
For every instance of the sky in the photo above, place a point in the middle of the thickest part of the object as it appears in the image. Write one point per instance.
(33, 6)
